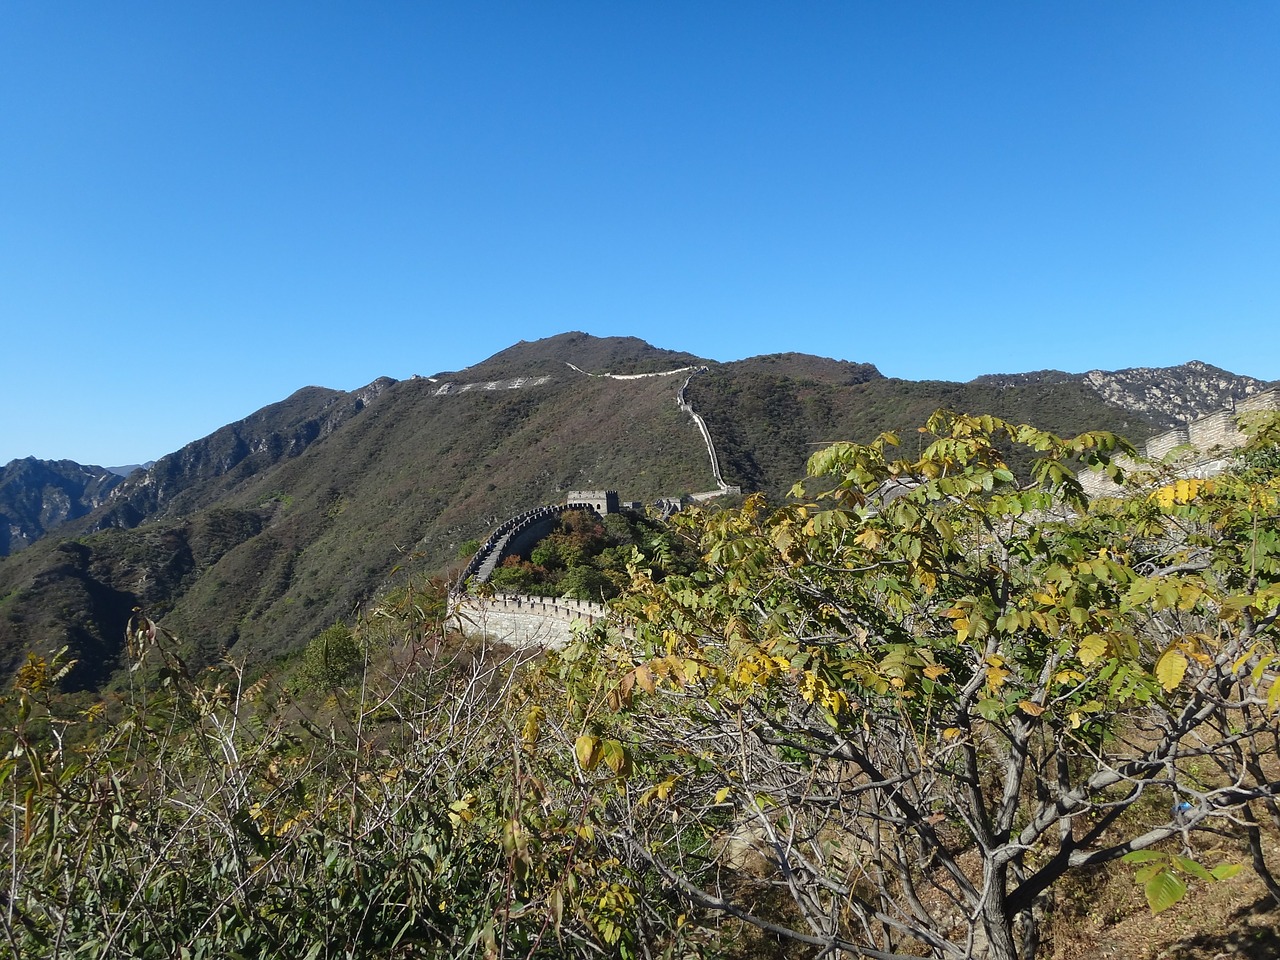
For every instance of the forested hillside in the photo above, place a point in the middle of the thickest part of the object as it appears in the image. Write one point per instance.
(257, 537)
(984, 718)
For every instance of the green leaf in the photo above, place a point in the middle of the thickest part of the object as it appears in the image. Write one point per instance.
(1192, 868)
(1144, 856)
(1149, 871)
(990, 710)
(1163, 891)
(1225, 871)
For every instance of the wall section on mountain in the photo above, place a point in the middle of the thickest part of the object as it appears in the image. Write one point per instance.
(766, 426)
(260, 535)
(402, 484)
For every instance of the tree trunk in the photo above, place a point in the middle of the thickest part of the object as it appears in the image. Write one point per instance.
(997, 923)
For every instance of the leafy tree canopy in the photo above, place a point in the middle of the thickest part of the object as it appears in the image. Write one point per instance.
(921, 692)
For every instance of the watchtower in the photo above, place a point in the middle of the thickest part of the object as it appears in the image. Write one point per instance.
(602, 502)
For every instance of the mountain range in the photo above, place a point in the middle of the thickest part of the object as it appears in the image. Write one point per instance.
(258, 536)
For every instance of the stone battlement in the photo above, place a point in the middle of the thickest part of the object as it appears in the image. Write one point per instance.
(602, 502)
(524, 621)
(1206, 442)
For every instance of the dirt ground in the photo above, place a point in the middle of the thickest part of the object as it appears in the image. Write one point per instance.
(1104, 915)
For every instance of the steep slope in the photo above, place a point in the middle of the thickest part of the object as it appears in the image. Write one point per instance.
(206, 471)
(37, 496)
(400, 482)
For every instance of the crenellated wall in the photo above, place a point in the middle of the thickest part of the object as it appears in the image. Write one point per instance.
(1207, 441)
(523, 621)
(513, 536)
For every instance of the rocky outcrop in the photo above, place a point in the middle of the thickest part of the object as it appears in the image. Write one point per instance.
(37, 496)
(1201, 448)
(1165, 396)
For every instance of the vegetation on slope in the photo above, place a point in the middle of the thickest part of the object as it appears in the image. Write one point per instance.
(587, 557)
(888, 727)
(401, 484)
(340, 494)
(767, 425)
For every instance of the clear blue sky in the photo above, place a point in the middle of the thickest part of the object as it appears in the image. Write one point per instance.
(204, 206)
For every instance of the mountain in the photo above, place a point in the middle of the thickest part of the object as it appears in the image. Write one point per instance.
(552, 355)
(1164, 396)
(37, 496)
(258, 536)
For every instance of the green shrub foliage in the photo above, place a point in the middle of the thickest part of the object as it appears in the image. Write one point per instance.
(885, 719)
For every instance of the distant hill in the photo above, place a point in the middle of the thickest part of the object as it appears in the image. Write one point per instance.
(1164, 396)
(258, 536)
(804, 366)
(127, 469)
(37, 496)
(620, 355)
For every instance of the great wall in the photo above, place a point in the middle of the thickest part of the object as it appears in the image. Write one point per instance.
(515, 619)
(522, 621)
(1204, 446)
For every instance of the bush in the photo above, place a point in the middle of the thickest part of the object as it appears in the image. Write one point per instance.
(331, 659)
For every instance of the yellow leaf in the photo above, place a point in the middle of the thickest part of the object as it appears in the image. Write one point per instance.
(1273, 695)
(460, 810)
(1027, 706)
(996, 677)
(587, 749)
(1091, 648)
(532, 724)
(722, 794)
(951, 733)
(644, 679)
(868, 538)
(615, 758)
(1170, 668)
(934, 671)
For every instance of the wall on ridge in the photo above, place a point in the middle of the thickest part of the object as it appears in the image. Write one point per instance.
(521, 621)
(1208, 440)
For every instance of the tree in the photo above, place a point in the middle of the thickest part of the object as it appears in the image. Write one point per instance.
(923, 691)
(331, 659)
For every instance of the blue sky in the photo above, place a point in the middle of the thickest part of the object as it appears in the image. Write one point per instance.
(205, 206)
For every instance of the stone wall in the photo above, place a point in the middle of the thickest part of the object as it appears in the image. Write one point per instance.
(514, 535)
(602, 502)
(1208, 440)
(523, 622)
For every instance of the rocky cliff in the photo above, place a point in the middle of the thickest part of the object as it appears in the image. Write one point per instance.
(37, 496)
(1164, 396)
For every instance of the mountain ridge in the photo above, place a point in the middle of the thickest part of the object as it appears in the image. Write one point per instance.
(267, 530)
(1167, 396)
